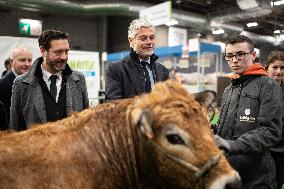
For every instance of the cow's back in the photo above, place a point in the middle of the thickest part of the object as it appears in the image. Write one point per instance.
(82, 151)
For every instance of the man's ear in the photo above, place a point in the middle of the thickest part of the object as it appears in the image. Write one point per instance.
(253, 53)
(130, 42)
(42, 51)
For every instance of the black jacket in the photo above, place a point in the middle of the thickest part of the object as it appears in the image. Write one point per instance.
(3, 117)
(279, 148)
(123, 79)
(6, 84)
(251, 121)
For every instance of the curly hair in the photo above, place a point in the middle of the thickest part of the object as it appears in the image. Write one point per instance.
(47, 36)
(137, 24)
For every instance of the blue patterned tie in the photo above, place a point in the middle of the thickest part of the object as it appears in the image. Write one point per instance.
(147, 77)
(53, 88)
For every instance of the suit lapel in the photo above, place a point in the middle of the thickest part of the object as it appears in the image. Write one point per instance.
(129, 66)
(159, 72)
(70, 92)
(39, 102)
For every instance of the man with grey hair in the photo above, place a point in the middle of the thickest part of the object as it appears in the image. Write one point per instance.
(138, 71)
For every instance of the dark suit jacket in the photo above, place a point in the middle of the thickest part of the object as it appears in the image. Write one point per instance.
(123, 79)
(3, 117)
(6, 84)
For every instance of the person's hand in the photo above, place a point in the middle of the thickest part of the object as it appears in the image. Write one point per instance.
(222, 143)
(214, 128)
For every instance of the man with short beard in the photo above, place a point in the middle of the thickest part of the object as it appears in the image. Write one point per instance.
(51, 90)
(138, 71)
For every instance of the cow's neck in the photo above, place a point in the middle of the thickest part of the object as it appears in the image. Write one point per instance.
(114, 149)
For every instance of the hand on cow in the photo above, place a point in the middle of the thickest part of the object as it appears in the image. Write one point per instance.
(222, 143)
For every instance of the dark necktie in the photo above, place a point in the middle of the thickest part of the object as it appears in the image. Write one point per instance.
(147, 77)
(53, 88)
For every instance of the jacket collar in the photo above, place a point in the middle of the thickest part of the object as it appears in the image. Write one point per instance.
(255, 70)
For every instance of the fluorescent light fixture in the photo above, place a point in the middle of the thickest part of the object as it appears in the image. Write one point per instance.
(281, 2)
(276, 31)
(252, 24)
(172, 22)
(219, 31)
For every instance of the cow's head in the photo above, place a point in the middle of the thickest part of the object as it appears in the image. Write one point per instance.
(178, 143)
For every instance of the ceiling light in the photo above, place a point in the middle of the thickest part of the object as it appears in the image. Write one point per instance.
(276, 31)
(219, 31)
(172, 22)
(252, 24)
(281, 2)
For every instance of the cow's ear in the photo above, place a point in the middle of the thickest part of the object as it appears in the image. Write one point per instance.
(206, 98)
(143, 120)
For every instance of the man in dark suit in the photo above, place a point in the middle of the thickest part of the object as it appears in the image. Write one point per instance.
(21, 62)
(138, 71)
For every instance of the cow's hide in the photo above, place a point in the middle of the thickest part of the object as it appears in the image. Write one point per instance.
(157, 140)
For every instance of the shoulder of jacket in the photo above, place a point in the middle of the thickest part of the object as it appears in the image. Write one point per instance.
(20, 78)
(265, 80)
(76, 75)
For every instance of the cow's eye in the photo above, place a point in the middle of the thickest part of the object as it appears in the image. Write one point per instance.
(174, 139)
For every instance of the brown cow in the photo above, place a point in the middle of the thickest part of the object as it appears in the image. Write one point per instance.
(154, 141)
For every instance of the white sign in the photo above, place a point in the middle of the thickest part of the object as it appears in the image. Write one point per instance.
(159, 14)
(177, 36)
(193, 45)
(30, 27)
(87, 63)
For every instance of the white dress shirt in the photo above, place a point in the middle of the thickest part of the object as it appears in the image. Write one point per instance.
(46, 76)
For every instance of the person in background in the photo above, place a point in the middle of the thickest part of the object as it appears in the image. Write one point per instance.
(275, 70)
(51, 90)
(138, 71)
(7, 64)
(21, 62)
(251, 116)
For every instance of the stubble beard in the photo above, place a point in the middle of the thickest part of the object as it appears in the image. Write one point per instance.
(53, 65)
(146, 54)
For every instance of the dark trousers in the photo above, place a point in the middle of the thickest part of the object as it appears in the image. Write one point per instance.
(279, 163)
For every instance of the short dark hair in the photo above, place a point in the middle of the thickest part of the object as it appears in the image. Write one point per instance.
(7, 62)
(240, 39)
(47, 36)
(274, 56)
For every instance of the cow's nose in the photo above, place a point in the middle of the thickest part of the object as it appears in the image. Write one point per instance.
(234, 184)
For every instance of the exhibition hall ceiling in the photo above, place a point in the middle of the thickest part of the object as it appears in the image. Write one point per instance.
(268, 16)
(267, 13)
(199, 16)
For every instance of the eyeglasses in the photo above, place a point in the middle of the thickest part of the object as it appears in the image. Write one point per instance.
(238, 55)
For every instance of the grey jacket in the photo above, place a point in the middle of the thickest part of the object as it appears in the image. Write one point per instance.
(251, 121)
(27, 104)
(280, 146)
